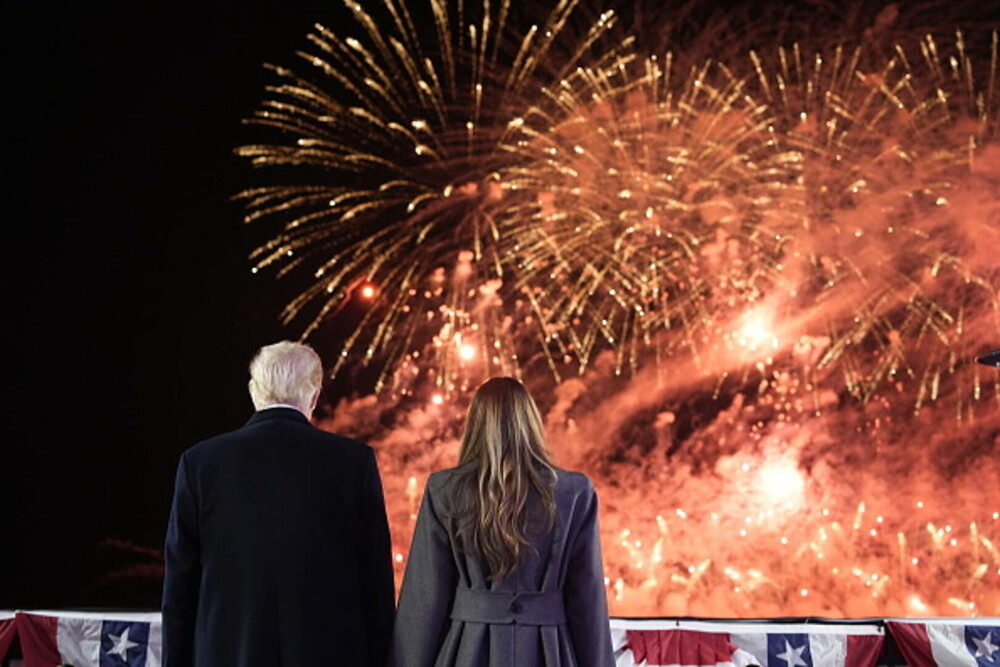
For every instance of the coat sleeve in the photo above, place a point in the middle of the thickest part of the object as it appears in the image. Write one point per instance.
(428, 589)
(182, 575)
(584, 593)
(376, 564)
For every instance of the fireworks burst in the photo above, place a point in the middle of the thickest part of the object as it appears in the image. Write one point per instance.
(895, 271)
(609, 202)
(408, 131)
(653, 190)
(758, 283)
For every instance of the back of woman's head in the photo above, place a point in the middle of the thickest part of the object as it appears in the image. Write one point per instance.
(504, 455)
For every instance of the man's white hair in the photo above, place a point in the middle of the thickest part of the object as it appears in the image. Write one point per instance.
(285, 372)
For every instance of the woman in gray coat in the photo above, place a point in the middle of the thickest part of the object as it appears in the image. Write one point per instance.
(505, 565)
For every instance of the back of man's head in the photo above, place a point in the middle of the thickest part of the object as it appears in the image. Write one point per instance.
(286, 373)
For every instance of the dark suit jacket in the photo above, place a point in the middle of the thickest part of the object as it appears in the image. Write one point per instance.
(277, 551)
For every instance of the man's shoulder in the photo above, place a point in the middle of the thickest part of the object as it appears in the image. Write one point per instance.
(343, 443)
(211, 444)
(339, 445)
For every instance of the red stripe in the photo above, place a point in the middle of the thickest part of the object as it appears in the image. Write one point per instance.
(913, 643)
(863, 650)
(38, 640)
(635, 640)
(679, 647)
(8, 630)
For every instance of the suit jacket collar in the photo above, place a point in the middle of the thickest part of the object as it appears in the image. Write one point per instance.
(268, 414)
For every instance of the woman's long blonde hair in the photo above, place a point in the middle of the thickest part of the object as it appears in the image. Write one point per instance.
(503, 456)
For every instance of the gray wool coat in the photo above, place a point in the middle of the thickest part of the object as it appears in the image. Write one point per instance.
(551, 612)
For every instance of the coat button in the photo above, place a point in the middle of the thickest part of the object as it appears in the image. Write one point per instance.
(516, 607)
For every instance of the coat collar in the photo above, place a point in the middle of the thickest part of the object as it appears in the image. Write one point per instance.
(270, 414)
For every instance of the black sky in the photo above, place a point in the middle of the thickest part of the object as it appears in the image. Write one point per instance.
(130, 309)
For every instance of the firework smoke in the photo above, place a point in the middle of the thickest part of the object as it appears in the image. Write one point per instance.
(747, 293)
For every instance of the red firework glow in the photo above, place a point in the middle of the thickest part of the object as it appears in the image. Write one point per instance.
(747, 295)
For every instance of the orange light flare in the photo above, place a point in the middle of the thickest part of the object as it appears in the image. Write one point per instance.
(782, 482)
(413, 497)
(756, 331)
(368, 291)
(467, 351)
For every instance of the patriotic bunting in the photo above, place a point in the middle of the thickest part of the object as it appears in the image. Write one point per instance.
(725, 644)
(134, 640)
(89, 640)
(967, 642)
(8, 630)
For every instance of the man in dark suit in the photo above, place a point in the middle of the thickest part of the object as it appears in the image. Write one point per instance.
(277, 549)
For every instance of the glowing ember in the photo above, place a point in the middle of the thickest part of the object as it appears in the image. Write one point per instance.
(756, 332)
(782, 482)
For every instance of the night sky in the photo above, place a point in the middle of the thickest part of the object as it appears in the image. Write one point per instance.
(131, 311)
(130, 308)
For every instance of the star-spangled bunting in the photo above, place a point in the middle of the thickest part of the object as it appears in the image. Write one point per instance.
(984, 644)
(121, 645)
(788, 650)
(792, 655)
(124, 643)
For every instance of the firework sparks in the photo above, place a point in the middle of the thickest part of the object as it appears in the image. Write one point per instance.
(757, 283)
(620, 204)
(881, 150)
(737, 513)
(417, 119)
(651, 193)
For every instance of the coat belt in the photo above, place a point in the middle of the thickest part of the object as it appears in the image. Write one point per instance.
(524, 608)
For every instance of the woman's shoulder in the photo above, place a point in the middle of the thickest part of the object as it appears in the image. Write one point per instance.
(567, 481)
(441, 480)
(573, 482)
